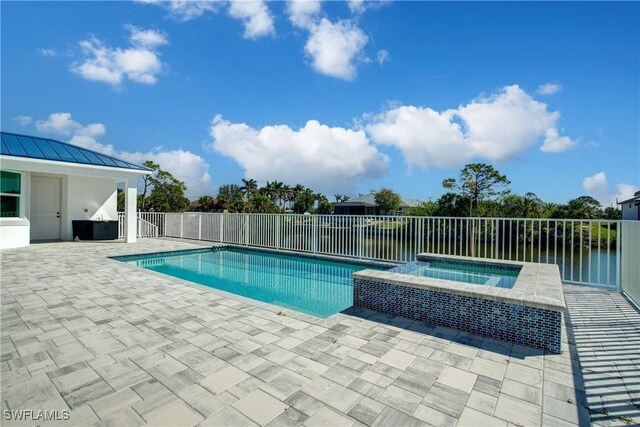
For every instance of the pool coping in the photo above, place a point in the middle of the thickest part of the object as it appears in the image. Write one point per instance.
(340, 259)
(537, 285)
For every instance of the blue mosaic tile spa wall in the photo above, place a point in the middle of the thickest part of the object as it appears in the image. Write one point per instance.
(529, 326)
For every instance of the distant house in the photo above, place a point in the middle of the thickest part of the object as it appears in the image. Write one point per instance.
(366, 205)
(631, 207)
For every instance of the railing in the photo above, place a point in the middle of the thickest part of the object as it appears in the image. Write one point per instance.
(630, 259)
(599, 253)
(146, 228)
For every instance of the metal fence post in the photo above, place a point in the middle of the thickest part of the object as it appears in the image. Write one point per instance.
(360, 237)
(620, 236)
(221, 227)
(181, 225)
(199, 226)
(278, 231)
(246, 229)
(314, 240)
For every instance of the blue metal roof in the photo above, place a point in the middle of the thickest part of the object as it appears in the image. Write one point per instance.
(34, 147)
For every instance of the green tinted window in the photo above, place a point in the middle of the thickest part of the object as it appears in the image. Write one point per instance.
(10, 183)
(9, 206)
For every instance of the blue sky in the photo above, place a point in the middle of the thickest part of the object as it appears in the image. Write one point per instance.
(344, 97)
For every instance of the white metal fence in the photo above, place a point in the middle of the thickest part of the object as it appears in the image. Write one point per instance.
(150, 224)
(630, 259)
(587, 252)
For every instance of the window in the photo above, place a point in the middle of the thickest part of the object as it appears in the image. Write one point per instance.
(9, 194)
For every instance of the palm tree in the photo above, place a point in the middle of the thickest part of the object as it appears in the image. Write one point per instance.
(249, 187)
(274, 190)
(285, 194)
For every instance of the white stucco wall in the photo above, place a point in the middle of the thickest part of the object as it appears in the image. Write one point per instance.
(14, 233)
(98, 196)
(630, 211)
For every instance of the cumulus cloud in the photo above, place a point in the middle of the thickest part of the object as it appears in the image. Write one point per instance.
(63, 124)
(188, 167)
(183, 164)
(553, 143)
(185, 10)
(255, 16)
(495, 128)
(361, 6)
(139, 62)
(335, 47)
(48, 52)
(147, 39)
(382, 56)
(549, 89)
(330, 159)
(23, 120)
(598, 187)
(303, 13)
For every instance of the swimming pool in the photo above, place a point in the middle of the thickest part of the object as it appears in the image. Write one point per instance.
(314, 286)
(463, 272)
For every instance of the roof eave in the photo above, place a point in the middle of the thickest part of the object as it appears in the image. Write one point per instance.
(61, 166)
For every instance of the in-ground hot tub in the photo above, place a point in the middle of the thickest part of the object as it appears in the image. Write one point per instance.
(520, 302)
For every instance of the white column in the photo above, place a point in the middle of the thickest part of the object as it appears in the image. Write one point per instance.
(130, 214)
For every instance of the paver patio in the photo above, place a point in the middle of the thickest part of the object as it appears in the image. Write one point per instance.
(117, 345)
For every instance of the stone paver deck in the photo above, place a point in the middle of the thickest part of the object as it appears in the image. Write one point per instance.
(606, 332)
(117, 345)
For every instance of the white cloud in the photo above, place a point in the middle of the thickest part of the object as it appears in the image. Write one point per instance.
(553, 143)
(139, 63)
(188, 167)
(382, 56)
(148, 39)
(48, 52)
(255, 15)
(332, 47)
(424, 136)
(303, 13)
(356, 6)
(184, 165)
(360, 6)
(549, 89)
(63, 124)
(23, 120)
(495, 128)
(185, 10)
(335, 47)
(598, 187)
(329, 159)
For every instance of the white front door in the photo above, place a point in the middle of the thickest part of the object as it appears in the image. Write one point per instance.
(45, 208)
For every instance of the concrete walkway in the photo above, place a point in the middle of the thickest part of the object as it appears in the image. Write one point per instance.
(116, 345)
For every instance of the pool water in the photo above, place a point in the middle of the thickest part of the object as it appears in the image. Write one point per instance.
(465, 272)
(310, 285)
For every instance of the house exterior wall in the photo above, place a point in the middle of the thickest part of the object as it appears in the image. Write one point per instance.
(82, 187)
(98, 196)
(631, 211)
(15, 232)
(77, 193)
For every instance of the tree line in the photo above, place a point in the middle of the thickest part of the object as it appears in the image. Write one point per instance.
(480, 190)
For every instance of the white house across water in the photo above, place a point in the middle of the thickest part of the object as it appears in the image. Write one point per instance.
(47, 184)
(631, 207)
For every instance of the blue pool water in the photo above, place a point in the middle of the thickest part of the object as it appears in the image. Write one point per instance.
(464, 272)
(313, 286)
